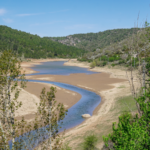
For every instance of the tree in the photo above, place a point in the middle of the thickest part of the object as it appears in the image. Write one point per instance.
(49, 116)
(10, 74)
(146, 24)
(132, 131)
(21, 134)
(89, 142)
(93, 64)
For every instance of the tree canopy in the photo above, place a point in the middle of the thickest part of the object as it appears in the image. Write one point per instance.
(33, 46)
(92, 41)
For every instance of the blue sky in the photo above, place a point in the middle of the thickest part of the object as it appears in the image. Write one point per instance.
(66, 17)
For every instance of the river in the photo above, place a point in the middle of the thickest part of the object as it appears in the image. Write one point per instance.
(86, 105)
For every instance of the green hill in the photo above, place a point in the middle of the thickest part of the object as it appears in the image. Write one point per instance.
(33, 46)
(120, 53)
(91, 41)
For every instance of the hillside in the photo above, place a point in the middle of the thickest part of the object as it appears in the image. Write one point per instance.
(120, 53)
(91, 41)
(33, 46)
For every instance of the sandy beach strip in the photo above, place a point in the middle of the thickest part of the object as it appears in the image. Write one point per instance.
(31, 95)
(94, 82)
(26, 66)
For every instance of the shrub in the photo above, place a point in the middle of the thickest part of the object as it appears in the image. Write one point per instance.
(111, 59)
(90, 142)
(98, 63)
(121, 61)
(112, 65)
(89, 60)
(93, 64)
(104, 63)
(66, 147)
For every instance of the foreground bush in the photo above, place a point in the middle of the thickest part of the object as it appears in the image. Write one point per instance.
(93, 64)
(90, 142)
(66, 147)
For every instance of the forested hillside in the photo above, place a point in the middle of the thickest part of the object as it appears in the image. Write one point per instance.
(91, 41)
(120, 53)
(33, 46)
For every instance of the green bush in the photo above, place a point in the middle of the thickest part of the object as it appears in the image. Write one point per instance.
(132, 131)
(66, 147)
(98, 63)
(104, 58)
(89, 60)
(121, 61)
(111, 59)
(90, 142)
(104, 63)
(112, 65)
(93, 64)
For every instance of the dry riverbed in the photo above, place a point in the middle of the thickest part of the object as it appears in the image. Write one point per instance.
(110, 84)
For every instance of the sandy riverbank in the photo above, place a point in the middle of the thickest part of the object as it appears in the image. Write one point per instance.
(31, 95)
(114, 72)
(95, 82)
(26, 66)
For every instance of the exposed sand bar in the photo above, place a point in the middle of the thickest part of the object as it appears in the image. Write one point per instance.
(95, 82)
(31, 95)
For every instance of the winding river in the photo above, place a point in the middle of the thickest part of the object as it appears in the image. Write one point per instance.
(86, 105)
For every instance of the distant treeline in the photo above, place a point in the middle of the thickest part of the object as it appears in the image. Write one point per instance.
(91, 41)
(33, 46)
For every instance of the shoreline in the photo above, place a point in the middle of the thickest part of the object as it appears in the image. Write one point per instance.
(71, 62)
(26, 66)
(32, 93)
(60, 78)
(97, 110)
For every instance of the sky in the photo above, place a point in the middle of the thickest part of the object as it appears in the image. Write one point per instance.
(55, 18)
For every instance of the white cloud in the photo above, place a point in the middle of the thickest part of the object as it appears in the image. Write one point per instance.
(81, 26)
(8, 20)
(23, 15)
(2, 12)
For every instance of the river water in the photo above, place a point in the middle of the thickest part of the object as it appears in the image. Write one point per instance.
(86, 105)
(58, 68)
